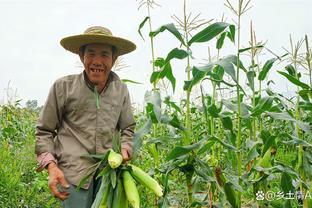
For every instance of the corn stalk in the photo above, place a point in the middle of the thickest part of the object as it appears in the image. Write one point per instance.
(149, 5)
(241, 9)
(299, 132)
(308, 59)
(187, 25)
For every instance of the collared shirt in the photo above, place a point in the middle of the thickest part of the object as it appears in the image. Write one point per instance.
(77, 121)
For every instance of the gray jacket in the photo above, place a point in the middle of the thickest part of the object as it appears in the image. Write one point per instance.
(77, 121)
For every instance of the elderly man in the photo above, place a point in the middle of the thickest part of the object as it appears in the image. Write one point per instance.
(81, 115)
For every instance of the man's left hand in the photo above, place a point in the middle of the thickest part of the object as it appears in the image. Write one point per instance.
(125, 155)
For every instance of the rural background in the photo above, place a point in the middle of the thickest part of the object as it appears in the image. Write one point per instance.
(221, 91)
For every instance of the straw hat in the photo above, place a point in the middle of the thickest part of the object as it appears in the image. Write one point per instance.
(97, 34)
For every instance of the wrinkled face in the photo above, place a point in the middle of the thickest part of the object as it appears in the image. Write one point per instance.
(98, 60)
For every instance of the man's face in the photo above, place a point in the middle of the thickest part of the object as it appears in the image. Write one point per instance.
(98, 60)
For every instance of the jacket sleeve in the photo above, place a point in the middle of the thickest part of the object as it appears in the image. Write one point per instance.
(49, 121)
(126, 124)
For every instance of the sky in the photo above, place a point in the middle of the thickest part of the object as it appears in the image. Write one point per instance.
(31, 58)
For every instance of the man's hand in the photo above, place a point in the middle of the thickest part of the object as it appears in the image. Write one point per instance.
(125, 155)
(56, 178)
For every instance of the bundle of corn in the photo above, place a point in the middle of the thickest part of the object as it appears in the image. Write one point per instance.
(118, 187)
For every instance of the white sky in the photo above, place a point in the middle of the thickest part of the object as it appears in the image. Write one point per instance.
(31, 58)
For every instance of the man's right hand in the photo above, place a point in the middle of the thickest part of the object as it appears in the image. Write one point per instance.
(56, 178)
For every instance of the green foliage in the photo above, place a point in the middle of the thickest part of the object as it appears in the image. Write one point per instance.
(171, 28)
(20, 184)
(209, 33)
(255, 140)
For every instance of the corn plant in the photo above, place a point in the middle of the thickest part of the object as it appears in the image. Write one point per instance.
(308, 59)
(301, 130)
(188, 138)
(149, 4)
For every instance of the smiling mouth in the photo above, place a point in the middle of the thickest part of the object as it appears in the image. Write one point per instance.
(96, 70)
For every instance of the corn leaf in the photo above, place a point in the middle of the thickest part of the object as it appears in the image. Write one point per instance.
(101, 157)
(166, 71)
(141, 26)
(159, 62)
(304, 126)
(227, 65)
(291, 70)
(217, 74)
(171, 28)
(230, 194)
(226, 145)
(281, 116)
(233, 107)
(287, 203)
(305, 106)
(182, 150)
(248, 48)
(268, 140)
(169, 75)
(263, 105)
(137, 138)
(265, 69)
(295, 141)
(251, 79)
(208, 33)
(198, 74)
(295, 81)
(153, 108)
(172, 104)
(84, 180)
(100, 194)
(305, 94)
(207, 146)
(227, 122)
(228, 68)
(220, 40)
(214, 111)
(110, 197)
(155, 117)
(285, 185)
(113, 177)
(307, 162)
(130, 81)
(104, 171)
(282, 168)
(252, 154)
(231, 33)
(286, 117)
(173, 121)
(176, 53)
(203, 170)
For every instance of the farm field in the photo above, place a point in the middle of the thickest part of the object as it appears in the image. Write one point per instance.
(238, 143)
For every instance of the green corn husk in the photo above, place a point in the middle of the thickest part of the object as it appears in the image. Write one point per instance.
(146, 180)
(131, 190)
(114, 159)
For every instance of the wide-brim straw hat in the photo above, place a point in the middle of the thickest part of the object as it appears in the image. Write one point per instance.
(97, 34)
